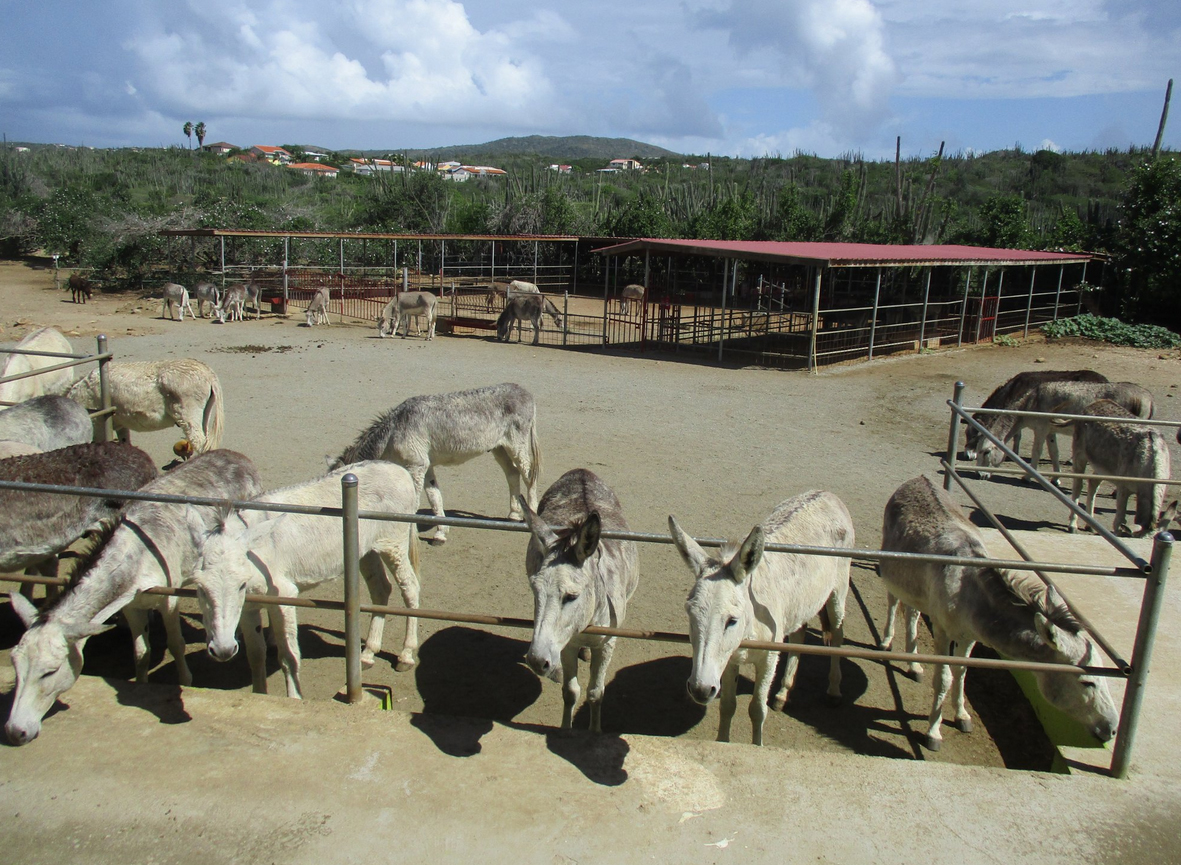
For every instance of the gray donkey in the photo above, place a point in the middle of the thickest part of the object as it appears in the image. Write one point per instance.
(46, 423)
(1125, 450)
(578, 579)
(154, 544)
(525, 307)
(452, 428)
(1063, 397)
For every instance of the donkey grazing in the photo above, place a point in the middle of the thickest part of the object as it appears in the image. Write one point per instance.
(57, 382)
(1007, 394)
(290, 553)
(232, 303)
(452, 428)
(154, 544)
(746, 594)
(206, 293)
(1015, 614)
(81, 288)
(406, 305)
(1065, 397)
(46, 423)
(578, 580)
(317, 311)
(176, 296)
(525, 307)
(154, 395)
(1125, 450)
(630, 293)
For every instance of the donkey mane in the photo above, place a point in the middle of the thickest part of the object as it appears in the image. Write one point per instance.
(370, 443)
(1028, 590)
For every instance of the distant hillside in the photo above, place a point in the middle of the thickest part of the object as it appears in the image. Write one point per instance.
(567, 147)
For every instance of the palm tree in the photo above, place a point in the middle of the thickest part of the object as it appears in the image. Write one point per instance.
(188, 130)
(200, 130)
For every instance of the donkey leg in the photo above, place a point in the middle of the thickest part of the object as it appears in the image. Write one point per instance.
(570, 688)
(137, 620)
(1119, 524)
(250, 626)
(962, 719)
(728, 702)
(286, 627)
(892, 607)
(510, 464)
(941, 682)
(836, 638)
(380, 588)
(790, 669)
(398, 562)
(600, 661)
(912, 642)
(176, 642)
(765, 664)
(1092, 489)
(435, 497)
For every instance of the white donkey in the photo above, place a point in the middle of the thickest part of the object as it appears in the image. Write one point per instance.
(1123, 450)
(58, 382)
(46, 423)
(747, 594)
(154, 544)
(206, 293)
(452, 428)
(176, 297)
(629, 294)
(317, 311)
(1015, 614)
(154, 395)
(287, 554)
(406, 305)
(231, 305)
(578, 579)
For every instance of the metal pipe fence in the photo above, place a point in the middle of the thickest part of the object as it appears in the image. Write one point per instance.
(349, 514)
(105, 430)
(1154, 573)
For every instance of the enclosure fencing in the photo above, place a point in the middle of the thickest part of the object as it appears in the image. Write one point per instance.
(1135, 672)
(103, 431)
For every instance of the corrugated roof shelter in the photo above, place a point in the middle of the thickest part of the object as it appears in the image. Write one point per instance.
(785, 303)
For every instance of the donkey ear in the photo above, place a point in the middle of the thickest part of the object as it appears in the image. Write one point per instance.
(588, 538)
(748, 556)
(537, 525)
(87, 630)
(24, 608)
(1168, 514)
(1047, 630)
(695, 557)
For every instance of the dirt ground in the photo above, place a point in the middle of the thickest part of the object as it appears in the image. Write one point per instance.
(716, 446)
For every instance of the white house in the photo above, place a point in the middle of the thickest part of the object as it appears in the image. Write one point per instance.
(313, 169)
(271, 154)
(625, 164)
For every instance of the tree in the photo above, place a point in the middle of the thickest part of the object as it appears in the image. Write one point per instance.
(642, 216)
(188, 131)
(1005, 221)
(1148, 243)
(199, 129)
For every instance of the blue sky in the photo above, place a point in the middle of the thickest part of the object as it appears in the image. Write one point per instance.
(734, 77)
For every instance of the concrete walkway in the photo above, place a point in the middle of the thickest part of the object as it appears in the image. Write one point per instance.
(157, 774)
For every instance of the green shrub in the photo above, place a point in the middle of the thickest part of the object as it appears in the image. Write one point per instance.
(1112, 330)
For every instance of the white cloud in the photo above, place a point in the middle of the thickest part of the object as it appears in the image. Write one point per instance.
(1047, 144)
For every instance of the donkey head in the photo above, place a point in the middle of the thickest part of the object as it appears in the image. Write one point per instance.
(563, 588)
(48, 661)
(719, 606)
(1084, 698)
(221, 578)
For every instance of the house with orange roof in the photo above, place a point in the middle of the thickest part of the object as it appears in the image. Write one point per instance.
(314, 169)
(272, 154)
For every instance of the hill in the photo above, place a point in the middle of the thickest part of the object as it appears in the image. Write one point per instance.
(566, 147)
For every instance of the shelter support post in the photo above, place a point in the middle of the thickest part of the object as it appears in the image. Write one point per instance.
(1058, 291)
(1154, 592)
(535, 245)
(873, 321)
(106, 432)
(1029, 300)
(815, 322)
(223, 261)
(980, 308)
(352, 588)
(722, 322)
(1083, 281)
(286, 253)
(606, 291)
(953, 433)
(964, 308)
(926, 298)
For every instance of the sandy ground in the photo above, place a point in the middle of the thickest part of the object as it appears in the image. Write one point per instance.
(716, 446)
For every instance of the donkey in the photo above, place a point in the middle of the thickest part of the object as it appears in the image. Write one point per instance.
(578, 579)
(1012, 390)
(405, 305)
(1015, 614)
(232, 304)
(317, 311)
(630, 293)
(746, 594)
(1066, 397)
(252, 296)
(81, 288)
(154, 544)
(57, 382)
(206, 293)
(176, 296)
(522, 307)
(291, 553)
(35, 527)
(1125, 450)
(46, 423)
(154, 395)
(452, 428)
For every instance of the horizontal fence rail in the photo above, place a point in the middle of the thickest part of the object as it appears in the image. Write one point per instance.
(105, 413)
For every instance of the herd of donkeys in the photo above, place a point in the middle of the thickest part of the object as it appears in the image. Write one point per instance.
(580, 571)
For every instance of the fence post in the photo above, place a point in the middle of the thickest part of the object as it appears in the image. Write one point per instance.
(1058, 292)
(352, 589)
(565, 315)
(1079, 309)
(964, 308)
(223, 261)
(815, 323)
(1029, 303)
(286, 250)
(106, 432)
(926, 297)
(953, 434)
(722, 320)
(873, 321)
(1154, 593)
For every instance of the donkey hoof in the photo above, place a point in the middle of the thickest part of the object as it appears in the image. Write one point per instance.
(964, 724)
(401, 666)
(778, 704)
(367, 660)
(437, 540)
(584, 654)
(834, 700)
(933, 744)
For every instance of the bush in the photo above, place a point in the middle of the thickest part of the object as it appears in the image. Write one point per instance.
(1112, 330)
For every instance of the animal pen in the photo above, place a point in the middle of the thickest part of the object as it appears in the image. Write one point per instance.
(1133, 671)
(776, 304)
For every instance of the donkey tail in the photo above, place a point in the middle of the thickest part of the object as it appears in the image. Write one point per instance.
(534, 455)
(413, 549)
(213, 422)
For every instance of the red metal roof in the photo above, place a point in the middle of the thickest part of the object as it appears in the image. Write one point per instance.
(844, 254)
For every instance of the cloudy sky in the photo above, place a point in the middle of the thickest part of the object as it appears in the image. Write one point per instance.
(737, 77)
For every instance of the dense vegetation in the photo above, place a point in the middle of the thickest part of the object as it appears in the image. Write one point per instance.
(103, 208)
